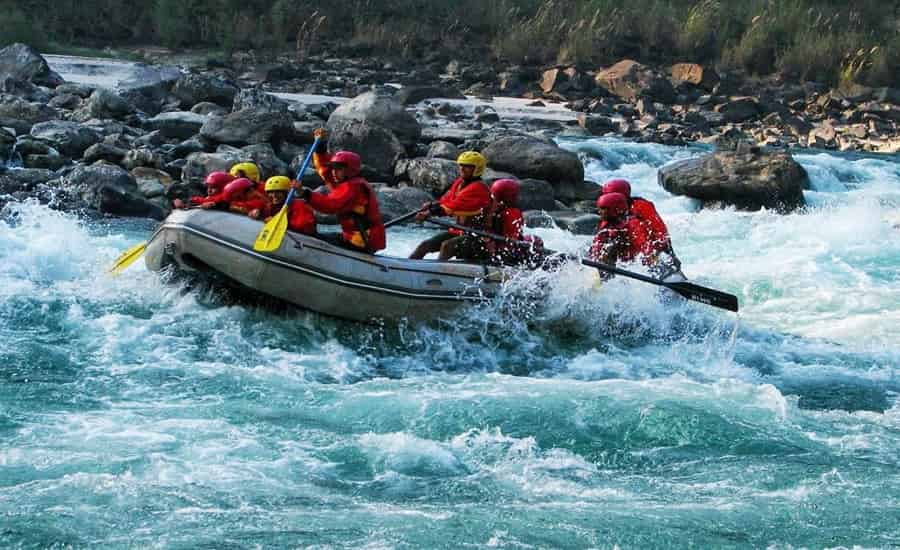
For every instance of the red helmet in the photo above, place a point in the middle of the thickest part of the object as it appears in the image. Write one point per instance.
(350, 160)
(236, 187)
(506, 191)
(617, 186)
(615, 203)
(218, 180)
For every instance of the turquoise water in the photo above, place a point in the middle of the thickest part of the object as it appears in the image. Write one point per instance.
(137, 413)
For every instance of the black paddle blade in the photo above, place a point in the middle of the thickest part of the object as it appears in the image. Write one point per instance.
(708, 296)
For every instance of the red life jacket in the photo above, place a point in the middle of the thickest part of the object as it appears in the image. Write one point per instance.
(253, 201)
(619, 240)
(466, 201)
(657, 233)
(506, 221)
(356, 206)
(215, 197)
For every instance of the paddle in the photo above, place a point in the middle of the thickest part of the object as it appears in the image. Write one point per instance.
(127, 258)
(691, 291)
(272, 233)
(402, 218)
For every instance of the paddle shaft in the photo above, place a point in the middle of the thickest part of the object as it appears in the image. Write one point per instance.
(691, 291)
(401, 219)
(298, 178)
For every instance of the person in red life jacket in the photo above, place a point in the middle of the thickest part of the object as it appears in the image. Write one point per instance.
(215, 184)
(352, 199)
(658, 241)
(505, 219)
(243, 197)
(300, 216)
(251, 172)
(466, 200)
(619, 237)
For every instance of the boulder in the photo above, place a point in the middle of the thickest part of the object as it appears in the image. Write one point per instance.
(702, 77)
(21, 62)
(265, 157)
(188, 146)
(746, 180)
(209, 108)
(410, 95)
(379, 148)
(377, 109)
(396, 201)
(149, 87)
(570, 220)
(108, 189)
(151, 182)
(429, 174)
(69, 138)
(442, 150)
(739, 109)
(536, 195)
(143, 156)
(198, 165)
(191, 89)
(247, 126)
(529, 157)
(70, 102)
(7, 142)
(23, 180)
(24, 89)
(597, 125)
(257, 98)
(103, 151)
(630, 80)
(81, 90)
(177, 124)
(26, 113)
(104, 104)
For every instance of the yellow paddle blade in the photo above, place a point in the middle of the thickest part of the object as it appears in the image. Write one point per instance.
(127, 258)
(269, 239)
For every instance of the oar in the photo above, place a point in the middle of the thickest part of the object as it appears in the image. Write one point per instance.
(402, 218)
(691, 291)
(127, 258)
(272, 233)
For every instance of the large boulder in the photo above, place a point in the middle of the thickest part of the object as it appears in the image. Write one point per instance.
(21, 62)
(257, 98)
(149, 86)
(433, 175)
(410, 95)
(631, 80)
(377, 109)
(379, 147)
(109, 189)
(536, 195)
(748, 180)
(247, 126)
(191, 89)
(23, 180)
(198, 165)
(702, 77)
(69, 138)
(739, 109)
(265, 157)
(529, 157)
(104, 104)
(26, 114)
(396, 201)
(177, 124)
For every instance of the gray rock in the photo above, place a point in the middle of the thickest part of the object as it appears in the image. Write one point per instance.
(429, 174)
(109, 189)
(143, 156)
(739, 109)
(536, 195)
(748, 181)
(529, 157)
(597, 125)
(21, 62)
(209, 108)
(191, 89)
(257, 98)
(265, 157)
(443, 150)
(151, 139)
(23, 180)
(247, 127)
(177, 124)
(103, 151)
(193, 145)
(151, 182)
(27, 113)
(69, 138)
(570, 220)
(198, 165)
(410, 95)
(377, 109)
(69, 102)
(80, 90)
(104, 104)
(379, 148)
(51, 161)
(396, 201)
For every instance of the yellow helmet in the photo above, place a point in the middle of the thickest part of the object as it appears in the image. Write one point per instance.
(473, 158)
(245, 169)
(278, 183)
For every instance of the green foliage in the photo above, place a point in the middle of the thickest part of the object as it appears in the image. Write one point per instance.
(15, 26)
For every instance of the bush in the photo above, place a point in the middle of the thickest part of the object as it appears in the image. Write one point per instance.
(15, 26)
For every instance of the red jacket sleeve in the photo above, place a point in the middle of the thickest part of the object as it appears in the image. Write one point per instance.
(301, 218)
(340, 200)
(513, 223)
(215, 197)
(466, 202)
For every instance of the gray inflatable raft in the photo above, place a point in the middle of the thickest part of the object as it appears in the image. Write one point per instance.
(318, 276)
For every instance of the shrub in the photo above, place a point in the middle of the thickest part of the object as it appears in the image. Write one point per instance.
(15, 26)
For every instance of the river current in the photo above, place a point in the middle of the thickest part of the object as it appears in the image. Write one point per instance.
(140, 412)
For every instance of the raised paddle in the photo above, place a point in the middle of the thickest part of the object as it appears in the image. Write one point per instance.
(691, 291)
(272, 233)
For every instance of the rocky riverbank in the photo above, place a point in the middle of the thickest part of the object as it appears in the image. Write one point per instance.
(129, 146)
